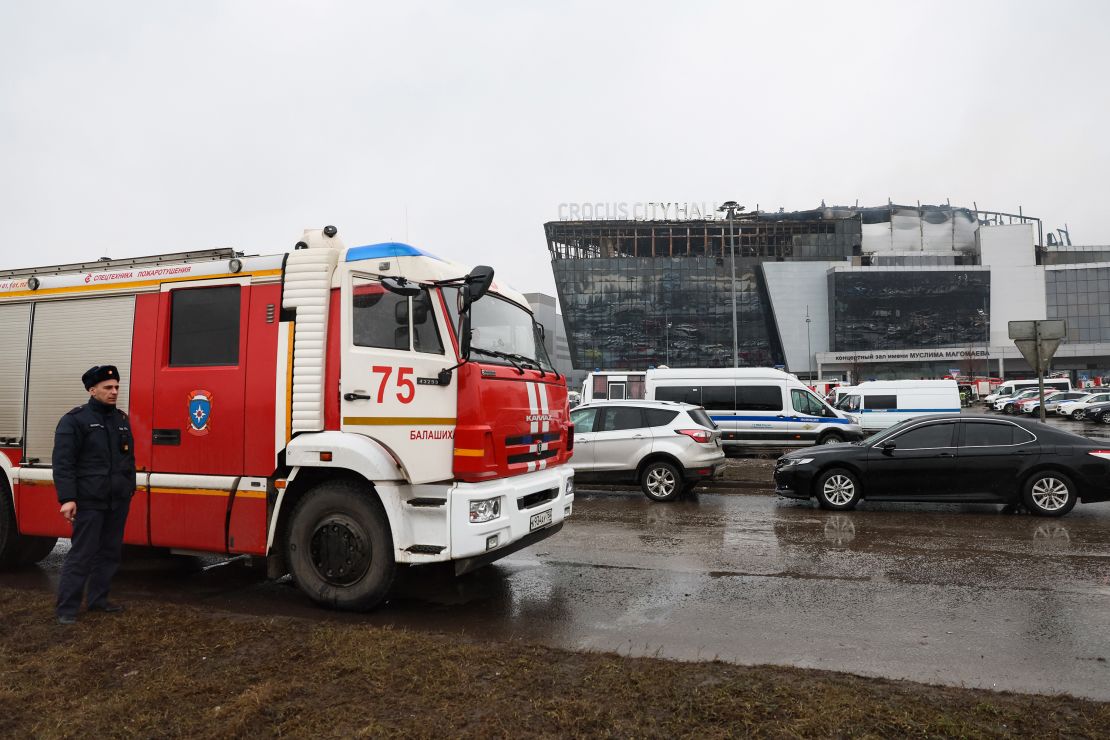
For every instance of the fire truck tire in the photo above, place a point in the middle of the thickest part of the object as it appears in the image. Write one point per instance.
(17, 549)
(339, 547)
(10, 540)
(35, 549)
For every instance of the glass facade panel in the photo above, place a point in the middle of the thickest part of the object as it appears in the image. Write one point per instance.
(1082, 298)
(632, 312)
(880, 309)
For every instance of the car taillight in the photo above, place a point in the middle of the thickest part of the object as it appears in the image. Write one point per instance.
(698, 435)
(1104, 454)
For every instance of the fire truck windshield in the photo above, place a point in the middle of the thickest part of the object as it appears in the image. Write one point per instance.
(501, 332)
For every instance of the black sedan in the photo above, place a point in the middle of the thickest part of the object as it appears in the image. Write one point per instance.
(953, 458)
(1098, 412)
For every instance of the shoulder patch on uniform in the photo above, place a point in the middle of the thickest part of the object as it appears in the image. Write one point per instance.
(74, 410)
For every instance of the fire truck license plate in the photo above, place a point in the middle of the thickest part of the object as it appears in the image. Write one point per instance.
(539, 520)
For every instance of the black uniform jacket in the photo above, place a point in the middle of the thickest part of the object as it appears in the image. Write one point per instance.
(94, 456)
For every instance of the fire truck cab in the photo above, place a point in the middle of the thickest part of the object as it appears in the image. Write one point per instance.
(338, 411)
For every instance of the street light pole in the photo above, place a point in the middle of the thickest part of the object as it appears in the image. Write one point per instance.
(667, 318)
(731, 207)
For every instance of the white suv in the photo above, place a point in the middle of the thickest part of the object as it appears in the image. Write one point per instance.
(666, 447)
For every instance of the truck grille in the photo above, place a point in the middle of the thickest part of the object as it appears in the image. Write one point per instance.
(537, 498)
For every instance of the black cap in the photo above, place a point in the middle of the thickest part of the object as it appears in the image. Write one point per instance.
(99, 374)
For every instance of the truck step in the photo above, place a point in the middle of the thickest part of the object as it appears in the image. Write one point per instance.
(425, 549)
(426, 501)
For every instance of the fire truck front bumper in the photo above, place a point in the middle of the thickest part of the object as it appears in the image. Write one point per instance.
(492, 519)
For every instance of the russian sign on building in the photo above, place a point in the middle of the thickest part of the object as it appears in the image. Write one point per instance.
(955, 353)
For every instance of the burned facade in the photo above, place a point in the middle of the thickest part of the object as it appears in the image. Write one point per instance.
(810, 287)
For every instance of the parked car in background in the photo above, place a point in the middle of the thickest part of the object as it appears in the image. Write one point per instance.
(954, 458)
(1006, 404)
(666, 447)
(1050, 405)
(1012, 387)
(1099, 412)
(1031, 404)
(1076, 410)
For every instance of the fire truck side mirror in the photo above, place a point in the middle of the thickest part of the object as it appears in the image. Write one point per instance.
(477, 284)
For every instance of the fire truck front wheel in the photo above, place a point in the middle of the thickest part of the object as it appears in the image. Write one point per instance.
(17, 549)
(339, 546)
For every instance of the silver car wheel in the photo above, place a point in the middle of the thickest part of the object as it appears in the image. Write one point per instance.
(1051, 494)
(661, 482)
(838, 490)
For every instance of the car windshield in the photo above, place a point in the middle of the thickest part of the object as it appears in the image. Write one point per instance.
(501, 332)
(849, 403)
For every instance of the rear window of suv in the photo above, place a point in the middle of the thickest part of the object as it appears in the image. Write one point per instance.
(658, 417)
(702, 419)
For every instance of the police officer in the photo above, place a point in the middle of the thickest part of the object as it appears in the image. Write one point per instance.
(94, 474)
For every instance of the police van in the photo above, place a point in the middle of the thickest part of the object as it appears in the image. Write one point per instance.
(755, 406)
(879, 404)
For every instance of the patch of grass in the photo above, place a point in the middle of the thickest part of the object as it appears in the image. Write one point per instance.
(179, 671)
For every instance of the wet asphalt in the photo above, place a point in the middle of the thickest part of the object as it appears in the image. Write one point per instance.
(951, 594)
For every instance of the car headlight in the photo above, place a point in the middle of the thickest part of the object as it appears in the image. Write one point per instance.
(790, 462)
(485, 510)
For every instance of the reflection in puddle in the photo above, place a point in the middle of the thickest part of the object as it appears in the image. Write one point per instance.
(1052, 533)
(839, 530)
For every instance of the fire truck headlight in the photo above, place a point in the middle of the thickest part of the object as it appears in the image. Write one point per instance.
(485, 510)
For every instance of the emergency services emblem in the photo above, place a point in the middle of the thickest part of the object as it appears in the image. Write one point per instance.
(200, 412)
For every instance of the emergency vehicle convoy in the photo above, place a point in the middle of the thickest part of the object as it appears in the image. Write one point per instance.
(338, 411)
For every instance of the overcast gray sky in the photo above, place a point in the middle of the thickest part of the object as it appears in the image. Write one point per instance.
(131, 128)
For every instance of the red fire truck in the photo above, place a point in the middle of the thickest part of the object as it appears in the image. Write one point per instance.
(338, 411)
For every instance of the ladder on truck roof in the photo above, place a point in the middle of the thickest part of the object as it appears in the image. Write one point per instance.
(105, 263)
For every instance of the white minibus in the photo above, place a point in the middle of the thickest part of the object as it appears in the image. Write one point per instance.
(755, 405)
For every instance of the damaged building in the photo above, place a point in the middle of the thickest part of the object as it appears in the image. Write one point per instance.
(887, 291)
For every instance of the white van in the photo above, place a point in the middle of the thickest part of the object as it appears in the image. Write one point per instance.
(755, 406)
(879, 404)
(1012, 387)
(838, 394)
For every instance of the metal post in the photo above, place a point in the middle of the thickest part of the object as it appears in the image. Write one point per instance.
(1040, 366)
(731, 207)
(732, 250)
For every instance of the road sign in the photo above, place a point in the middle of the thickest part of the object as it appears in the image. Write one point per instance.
(1049, 329)
(1038, 341)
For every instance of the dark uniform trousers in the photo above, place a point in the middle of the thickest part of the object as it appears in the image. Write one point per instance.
(94, 557)
(94, 465)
